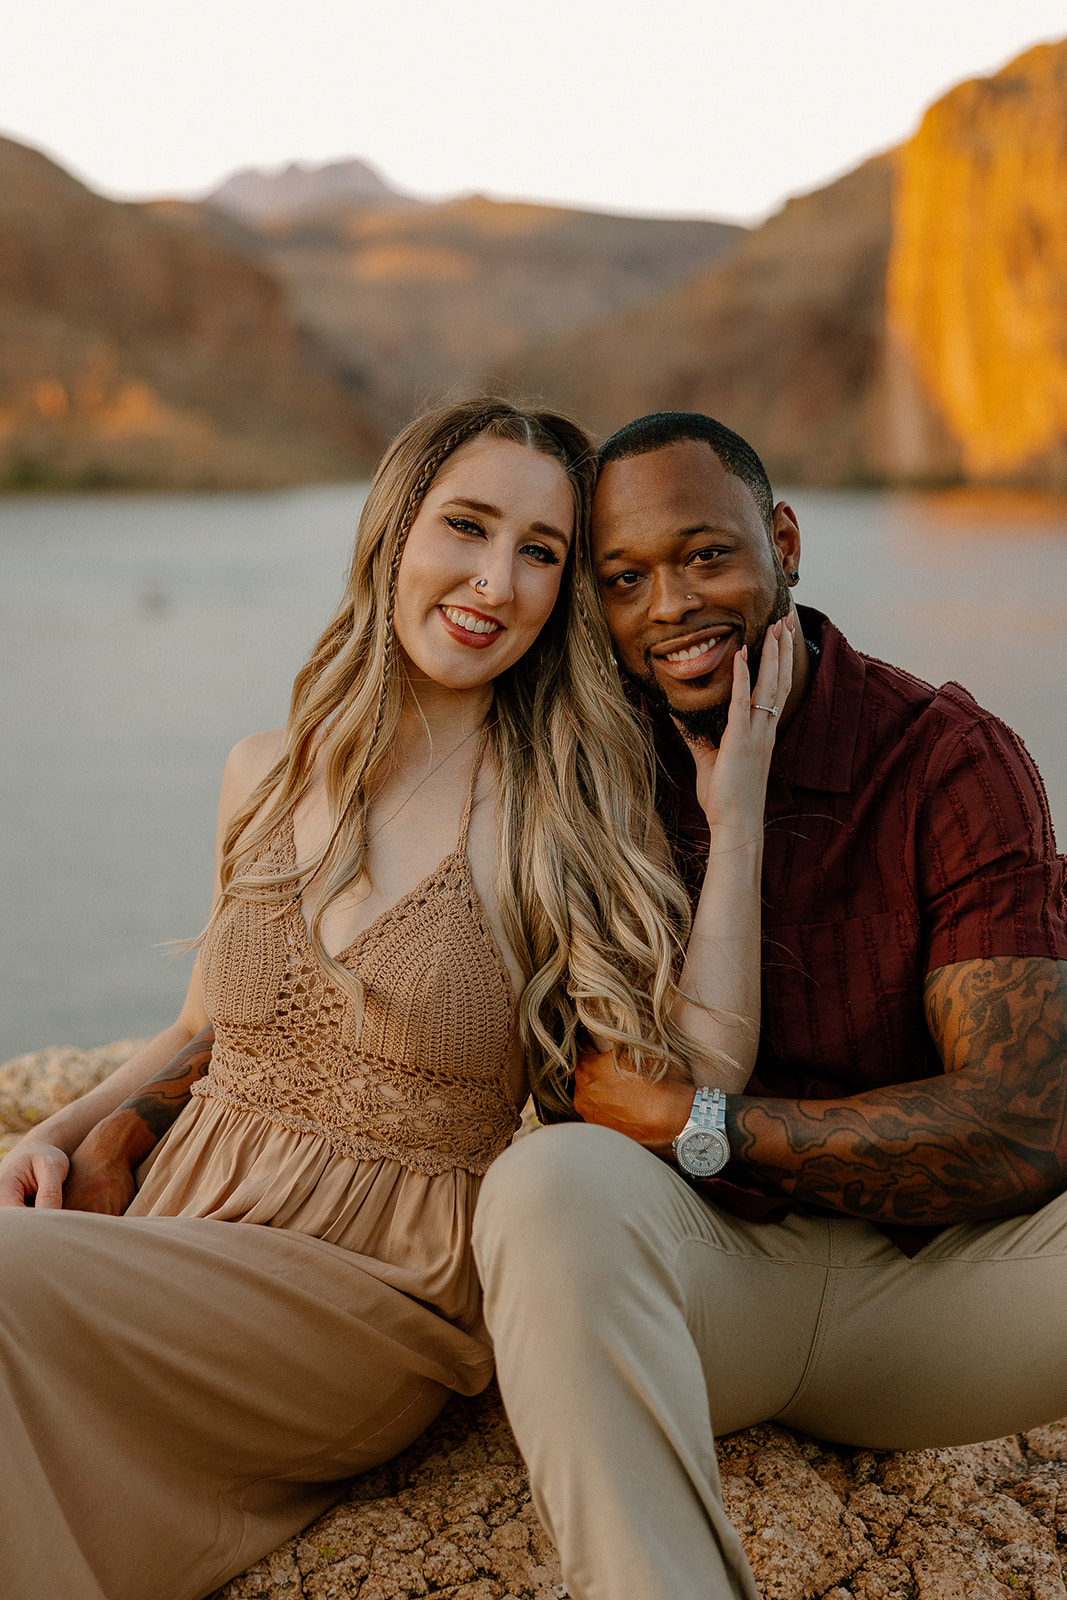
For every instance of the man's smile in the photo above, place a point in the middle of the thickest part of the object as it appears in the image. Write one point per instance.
(693, 655)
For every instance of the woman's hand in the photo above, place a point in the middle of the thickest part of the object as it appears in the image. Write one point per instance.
(650, 1113)
(731, 781)
(32, 1175)
(719, 989)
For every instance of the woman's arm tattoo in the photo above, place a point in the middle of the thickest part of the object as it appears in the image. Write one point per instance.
(987, 1139)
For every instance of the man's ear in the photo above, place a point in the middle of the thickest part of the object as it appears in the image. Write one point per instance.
(785, 536)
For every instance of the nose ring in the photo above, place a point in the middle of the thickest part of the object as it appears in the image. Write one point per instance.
(480, 584)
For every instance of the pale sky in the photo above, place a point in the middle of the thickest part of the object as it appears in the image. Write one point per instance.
(693, 107)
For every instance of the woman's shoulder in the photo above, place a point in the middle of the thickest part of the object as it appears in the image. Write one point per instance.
(255, 755)
(248, 764)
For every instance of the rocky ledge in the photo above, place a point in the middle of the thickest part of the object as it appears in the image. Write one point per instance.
(452, 1516)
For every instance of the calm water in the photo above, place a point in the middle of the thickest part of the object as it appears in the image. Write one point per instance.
(141, 636)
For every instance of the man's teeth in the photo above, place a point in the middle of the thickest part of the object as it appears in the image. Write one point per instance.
(693, 651)
(463, 619)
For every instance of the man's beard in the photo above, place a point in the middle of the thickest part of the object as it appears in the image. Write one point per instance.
(707, 724)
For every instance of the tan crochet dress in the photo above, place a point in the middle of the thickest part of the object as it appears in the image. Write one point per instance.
(178, 1392)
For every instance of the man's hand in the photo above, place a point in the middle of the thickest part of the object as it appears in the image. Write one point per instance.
(32, 1175)
(102, 1167)
(101, 1170)
(101, 1176)
(650, 1113)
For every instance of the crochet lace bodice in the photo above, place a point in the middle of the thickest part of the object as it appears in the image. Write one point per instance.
(423, 1078)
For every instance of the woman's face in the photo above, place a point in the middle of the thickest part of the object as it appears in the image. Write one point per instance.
(483, 561)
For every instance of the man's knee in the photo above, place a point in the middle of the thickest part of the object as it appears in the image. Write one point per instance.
(550, 1172)
(560, 1194)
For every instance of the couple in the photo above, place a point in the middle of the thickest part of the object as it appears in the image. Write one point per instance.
(445, 879)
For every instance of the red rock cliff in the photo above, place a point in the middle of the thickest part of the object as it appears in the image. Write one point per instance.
(976, 294)
(908, 322)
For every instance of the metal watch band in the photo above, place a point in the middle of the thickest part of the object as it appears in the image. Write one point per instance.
(702, 1149)
(705, 1112)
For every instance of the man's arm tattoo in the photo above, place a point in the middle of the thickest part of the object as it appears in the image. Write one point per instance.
(158, 1102)
(987, 1139)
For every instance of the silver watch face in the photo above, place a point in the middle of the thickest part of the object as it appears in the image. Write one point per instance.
(702, 1153)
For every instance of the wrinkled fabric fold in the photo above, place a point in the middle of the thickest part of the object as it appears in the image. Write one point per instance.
(178, 1395)
(412, 1231)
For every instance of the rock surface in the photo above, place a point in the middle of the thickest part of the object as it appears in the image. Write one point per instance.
(32, 1086)
(452, 1516)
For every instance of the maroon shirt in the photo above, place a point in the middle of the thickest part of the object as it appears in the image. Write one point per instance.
(906, 829)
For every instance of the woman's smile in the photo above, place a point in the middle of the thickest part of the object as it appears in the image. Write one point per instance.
(470, 627)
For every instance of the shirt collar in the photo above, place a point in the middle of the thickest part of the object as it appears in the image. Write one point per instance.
(818, 749)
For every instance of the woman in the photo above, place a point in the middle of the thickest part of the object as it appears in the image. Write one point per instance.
(457, 812)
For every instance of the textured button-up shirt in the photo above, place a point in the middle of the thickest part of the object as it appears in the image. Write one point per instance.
(906, 829)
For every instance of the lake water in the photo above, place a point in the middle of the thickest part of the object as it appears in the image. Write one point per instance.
(140, 636)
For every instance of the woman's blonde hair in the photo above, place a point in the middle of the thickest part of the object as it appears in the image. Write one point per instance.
(596, 922)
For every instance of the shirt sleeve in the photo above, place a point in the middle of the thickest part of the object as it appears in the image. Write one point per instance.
(990, 879)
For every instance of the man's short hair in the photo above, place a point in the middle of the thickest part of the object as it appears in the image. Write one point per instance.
(662, 428)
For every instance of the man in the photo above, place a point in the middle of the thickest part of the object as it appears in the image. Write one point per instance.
(882, 1261)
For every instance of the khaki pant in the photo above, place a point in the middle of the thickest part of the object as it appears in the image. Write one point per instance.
(633, 1322)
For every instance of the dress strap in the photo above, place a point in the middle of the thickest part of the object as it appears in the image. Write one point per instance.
(479, 753)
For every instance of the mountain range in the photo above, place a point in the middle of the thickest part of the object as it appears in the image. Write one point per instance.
(268, 196)
(907, 323)
(418, 302)
(134, 351)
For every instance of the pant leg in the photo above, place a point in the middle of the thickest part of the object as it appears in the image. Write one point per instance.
(967, 1341)
(614, 1293)
(631, 1320)
(179, 1395)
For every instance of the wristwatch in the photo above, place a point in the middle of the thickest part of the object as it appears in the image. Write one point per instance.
(702, 1148)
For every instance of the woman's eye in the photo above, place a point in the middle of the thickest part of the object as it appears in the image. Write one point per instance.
(467, 526)
(541, 553)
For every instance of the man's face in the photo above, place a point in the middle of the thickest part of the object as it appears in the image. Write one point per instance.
(688, 574)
